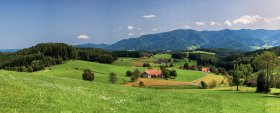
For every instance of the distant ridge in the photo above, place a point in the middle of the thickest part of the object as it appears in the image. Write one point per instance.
(242, 40)
(91, 45)
(8, 50)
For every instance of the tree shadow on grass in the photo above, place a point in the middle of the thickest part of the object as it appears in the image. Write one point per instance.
(272, 96)
(225, 90)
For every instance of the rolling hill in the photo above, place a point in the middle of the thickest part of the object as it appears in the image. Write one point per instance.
(242, 40)
(61, 89)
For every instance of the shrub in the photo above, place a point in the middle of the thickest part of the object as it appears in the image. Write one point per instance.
(23, 69)
(146, 65)
(141, 84)
(88, 75)
(173, 74)
(171, 65)
(113, 78)
(186, 66)
(213, 84)
(203, 85)
(29, 69)
(37, 65)
(129, 73)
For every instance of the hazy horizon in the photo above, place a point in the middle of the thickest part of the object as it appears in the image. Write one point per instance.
(26, 23)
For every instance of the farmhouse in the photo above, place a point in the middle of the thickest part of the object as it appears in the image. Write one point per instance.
(152, 73)
(205, 69)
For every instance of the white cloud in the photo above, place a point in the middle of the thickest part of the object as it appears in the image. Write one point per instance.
(213, 23)
(130, 34)
(200, 23)
(83, 37)
(130, 27)
(247, 19)
(187, 27)
(142, 33)
(228, 23)
(149, 16)
(269, 20)
(154, 29)
(139, 28)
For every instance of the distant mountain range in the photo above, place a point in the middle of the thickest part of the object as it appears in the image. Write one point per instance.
(8, 50)
(242, 40)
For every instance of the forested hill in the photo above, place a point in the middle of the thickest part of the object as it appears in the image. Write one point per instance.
(242, 40)
(46, 54)
(246, 58)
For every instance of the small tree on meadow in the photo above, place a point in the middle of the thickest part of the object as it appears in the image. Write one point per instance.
(236, 78)
(165, 73)
(269, 63)
(135, 75)
(173, 74)
(203, 85)
(113, 78)
(88, 75)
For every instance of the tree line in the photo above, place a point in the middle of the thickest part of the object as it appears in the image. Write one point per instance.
(44, 55)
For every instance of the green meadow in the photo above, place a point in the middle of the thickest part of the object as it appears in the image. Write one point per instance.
(163, 56)
(61, 89)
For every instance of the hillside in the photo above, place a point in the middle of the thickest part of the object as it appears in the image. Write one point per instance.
(61, 89)
(242, 40)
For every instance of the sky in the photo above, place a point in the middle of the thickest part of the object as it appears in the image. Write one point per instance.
(24, 23)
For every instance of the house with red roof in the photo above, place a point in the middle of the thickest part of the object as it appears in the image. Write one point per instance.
(205, 69)
(153, 73)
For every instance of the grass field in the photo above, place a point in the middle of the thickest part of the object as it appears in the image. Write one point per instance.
(210, 77)
(137, 62)
(74, 69)
(61, 89)
(163, 56)
(204, 52)
(188, 76)
(24, 92)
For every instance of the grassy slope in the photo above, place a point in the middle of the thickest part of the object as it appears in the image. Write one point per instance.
(74, 69)
(210, 77)
(202, 52)
(24, 92)
(138, 62)
(163, 56)
(188, 76)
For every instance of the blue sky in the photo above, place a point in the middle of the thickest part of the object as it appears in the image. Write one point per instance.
(24, 23)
